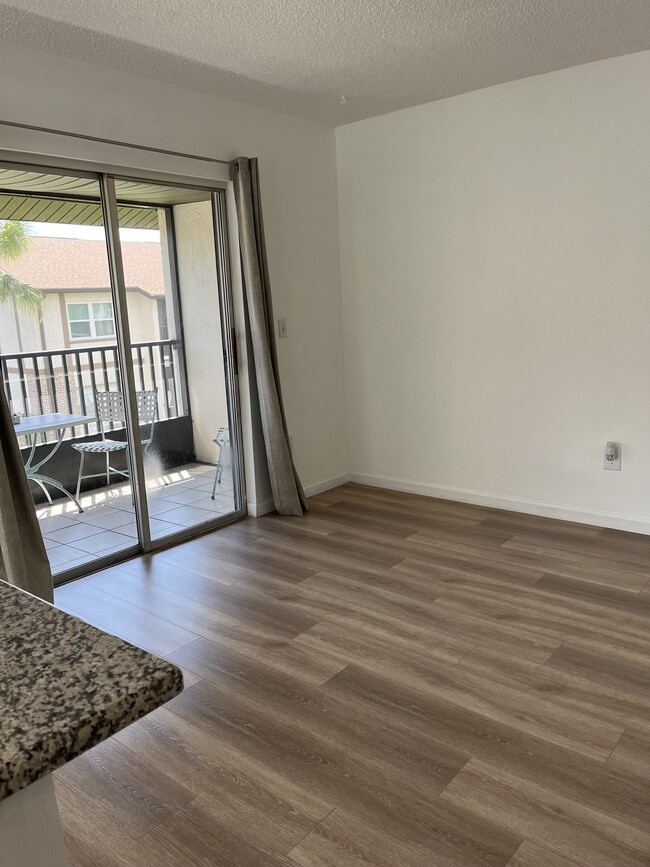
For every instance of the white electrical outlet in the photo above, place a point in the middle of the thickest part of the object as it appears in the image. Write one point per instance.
(612, 456)
(282, 327)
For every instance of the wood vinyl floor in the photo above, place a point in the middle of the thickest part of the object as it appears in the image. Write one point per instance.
(392, 681)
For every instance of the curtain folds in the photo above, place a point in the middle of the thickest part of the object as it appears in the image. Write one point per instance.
(23, 560)
(288, 495)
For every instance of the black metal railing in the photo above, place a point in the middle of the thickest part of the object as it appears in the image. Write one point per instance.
(37, 383)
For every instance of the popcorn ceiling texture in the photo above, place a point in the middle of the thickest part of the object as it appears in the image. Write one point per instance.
(300, 57)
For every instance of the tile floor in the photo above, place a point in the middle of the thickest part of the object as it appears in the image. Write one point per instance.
(177, 500)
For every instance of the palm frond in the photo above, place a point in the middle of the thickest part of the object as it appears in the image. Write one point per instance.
(14, 239)
(27, 298)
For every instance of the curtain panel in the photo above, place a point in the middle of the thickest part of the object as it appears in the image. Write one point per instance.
(288, 495)
(23, 559)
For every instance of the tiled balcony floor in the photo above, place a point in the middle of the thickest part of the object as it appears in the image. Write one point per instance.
(107, 524)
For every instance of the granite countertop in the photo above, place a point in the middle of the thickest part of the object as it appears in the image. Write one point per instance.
(66, 686)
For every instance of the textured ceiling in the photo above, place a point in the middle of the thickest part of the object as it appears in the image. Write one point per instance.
(301, 56)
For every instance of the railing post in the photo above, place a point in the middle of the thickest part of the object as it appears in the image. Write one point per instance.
(23, 384)
(157, 357)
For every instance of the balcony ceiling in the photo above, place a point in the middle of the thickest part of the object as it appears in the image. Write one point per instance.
(40, 209)
(301, 56)
(49, 198)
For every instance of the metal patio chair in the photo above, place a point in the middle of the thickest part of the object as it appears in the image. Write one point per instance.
(109, 406)
(222, 439)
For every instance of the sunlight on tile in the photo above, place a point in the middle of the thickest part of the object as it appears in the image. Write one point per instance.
(107, 524)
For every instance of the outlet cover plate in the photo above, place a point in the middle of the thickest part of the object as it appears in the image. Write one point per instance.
(612, 465)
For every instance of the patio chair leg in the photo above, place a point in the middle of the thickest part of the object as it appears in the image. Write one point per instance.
(44, 489)
(224, 446)
(81, 470)
(217, 474)
(108, 469)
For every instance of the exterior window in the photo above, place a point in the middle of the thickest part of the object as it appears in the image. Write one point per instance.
(90, 320)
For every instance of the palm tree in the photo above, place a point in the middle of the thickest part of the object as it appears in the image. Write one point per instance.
(14, 241)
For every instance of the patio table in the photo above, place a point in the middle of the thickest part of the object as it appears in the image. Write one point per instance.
(33, 425)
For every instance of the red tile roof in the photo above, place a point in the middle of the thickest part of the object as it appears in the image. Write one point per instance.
(54, 264)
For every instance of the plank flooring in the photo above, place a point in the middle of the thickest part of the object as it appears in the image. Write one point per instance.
(389, 681)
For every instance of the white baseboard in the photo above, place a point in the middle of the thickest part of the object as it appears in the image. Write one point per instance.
(596, 517)
(256, 510)
(326, 484)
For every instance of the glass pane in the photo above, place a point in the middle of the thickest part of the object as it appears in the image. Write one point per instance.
(187, 452)
(77, 311)
(104, 327)
(102, 311)
(44, 376)
(80, 329)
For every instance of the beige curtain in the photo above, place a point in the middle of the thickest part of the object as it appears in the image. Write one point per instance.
(23, 560)
(288, 495)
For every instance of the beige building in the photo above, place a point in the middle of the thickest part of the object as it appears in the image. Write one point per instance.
(77, 311)
(58, 361)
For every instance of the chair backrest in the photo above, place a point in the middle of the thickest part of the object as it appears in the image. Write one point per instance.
(109, 406)
(147, 405)
(222, 437)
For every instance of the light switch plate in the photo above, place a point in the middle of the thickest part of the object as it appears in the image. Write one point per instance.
(282, 327)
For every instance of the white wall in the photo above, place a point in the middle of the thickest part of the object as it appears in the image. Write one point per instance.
(199, 295)
(495, 256)
(143, 317)
(298, 175)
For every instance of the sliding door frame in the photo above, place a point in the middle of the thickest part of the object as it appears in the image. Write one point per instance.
(226, 319)
(106, 176)
(229, 344)
(123, 334)
(226, 324)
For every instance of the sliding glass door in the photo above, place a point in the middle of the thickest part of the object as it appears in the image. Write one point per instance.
(179, 339)
(117, 359)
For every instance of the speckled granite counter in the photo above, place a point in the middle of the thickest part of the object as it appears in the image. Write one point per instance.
(66, 686)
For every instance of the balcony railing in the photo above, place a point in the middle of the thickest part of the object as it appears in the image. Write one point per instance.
(65, 380)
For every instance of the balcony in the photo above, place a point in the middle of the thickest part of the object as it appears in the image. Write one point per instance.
(65, 381)
(179, 486)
